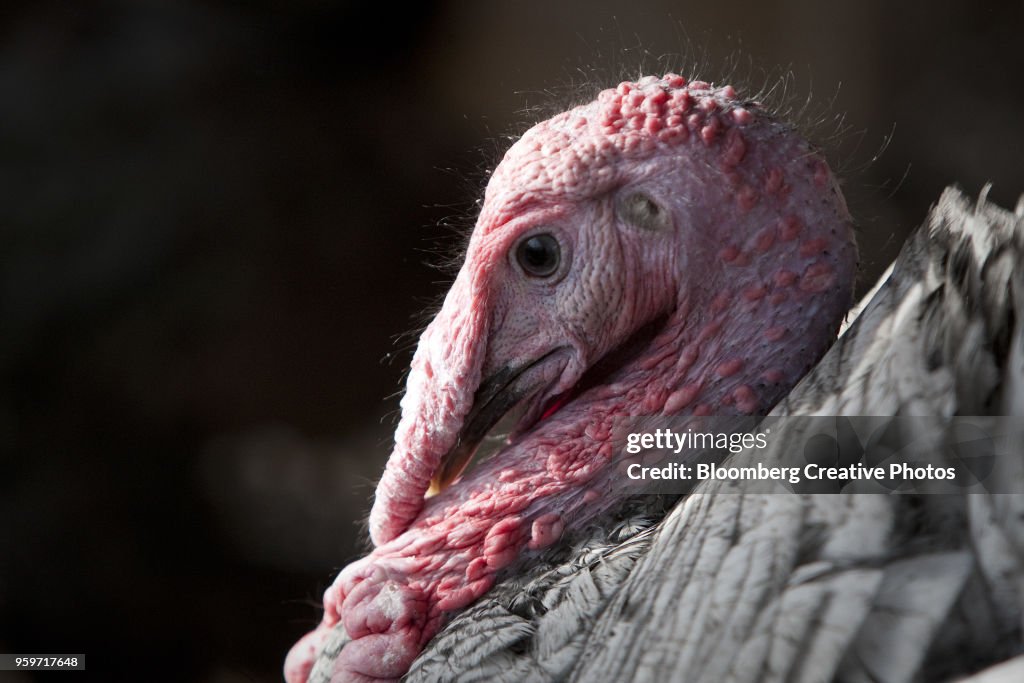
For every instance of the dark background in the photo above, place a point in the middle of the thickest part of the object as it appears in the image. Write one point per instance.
(214, 224)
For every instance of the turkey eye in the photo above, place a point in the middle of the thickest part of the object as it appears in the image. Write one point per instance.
(539, 255)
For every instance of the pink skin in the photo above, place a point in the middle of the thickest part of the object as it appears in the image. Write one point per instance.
(749, 262)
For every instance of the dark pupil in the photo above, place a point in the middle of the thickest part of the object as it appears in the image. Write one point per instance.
(538, 255)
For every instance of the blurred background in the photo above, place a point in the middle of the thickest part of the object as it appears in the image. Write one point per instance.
(215, 225)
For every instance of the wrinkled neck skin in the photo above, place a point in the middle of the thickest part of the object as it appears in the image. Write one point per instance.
(719, 312)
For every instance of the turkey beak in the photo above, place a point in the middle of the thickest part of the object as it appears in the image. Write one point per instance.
(499, 393)
(495, 397)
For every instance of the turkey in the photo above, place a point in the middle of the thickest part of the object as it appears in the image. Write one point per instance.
(673, 250)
